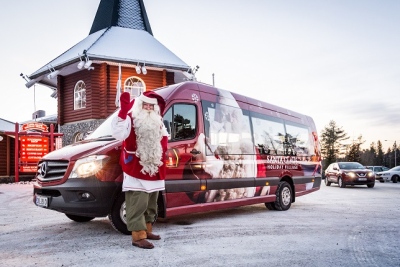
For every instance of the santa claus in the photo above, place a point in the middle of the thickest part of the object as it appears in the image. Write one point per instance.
(139, 125)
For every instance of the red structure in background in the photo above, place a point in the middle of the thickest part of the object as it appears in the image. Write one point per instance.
(38, 140)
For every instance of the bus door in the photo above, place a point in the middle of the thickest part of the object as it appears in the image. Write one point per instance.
(184, 159)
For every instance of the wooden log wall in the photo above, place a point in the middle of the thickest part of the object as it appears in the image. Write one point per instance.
(101, 90)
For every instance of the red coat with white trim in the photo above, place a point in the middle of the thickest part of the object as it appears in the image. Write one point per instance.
(130, 162)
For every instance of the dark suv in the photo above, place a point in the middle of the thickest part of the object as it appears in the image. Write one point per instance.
(349, 173)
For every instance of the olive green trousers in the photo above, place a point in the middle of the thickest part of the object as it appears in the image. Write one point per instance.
(141, 208)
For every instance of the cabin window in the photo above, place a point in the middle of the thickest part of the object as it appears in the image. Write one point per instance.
(135, 86)
(227, 129)
(80, 95)
(269, 134)
(180, 121)
(298, 140)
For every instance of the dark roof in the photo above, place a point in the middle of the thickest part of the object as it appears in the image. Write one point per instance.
(122, 13)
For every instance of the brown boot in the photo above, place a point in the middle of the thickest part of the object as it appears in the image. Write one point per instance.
(150, 234)
(139, 240)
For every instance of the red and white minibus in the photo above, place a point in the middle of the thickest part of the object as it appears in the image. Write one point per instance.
(225, 150)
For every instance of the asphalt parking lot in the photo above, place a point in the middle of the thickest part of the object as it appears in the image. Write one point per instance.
(353, 226)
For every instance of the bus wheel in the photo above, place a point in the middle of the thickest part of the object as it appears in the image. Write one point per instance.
(270, 205)
(283, 196)
(117, 216)
(77, 218)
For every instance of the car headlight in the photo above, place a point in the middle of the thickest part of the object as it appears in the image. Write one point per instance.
(88, 166)
(370, 174)
(350, 174)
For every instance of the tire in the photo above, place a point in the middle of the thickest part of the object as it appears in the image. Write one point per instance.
(327, 183)
(117, 216)
(284, 196)
(395, 178)
(77, 218)
(270, 205)
(381, 181)
(341, 183)
(371, 185)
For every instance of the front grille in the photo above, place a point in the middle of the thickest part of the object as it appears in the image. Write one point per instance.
(51, 170)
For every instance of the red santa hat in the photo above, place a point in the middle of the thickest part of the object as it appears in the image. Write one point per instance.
(150, 97)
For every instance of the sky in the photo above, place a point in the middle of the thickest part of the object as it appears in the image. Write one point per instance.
(332, 60)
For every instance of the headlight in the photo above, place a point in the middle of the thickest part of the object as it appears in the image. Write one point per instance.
(350, 174)
(88, 166)
(370, 174)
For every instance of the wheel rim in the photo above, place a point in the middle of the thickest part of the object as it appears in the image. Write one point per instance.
(286, 196)
(122, 212)
(340, 182)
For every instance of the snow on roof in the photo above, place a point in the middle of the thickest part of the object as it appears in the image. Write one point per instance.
(6, 125)
(114, 44)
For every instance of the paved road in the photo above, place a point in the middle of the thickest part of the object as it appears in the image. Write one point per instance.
(354, 226)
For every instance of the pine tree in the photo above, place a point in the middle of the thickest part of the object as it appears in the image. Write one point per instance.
(331, 138)
(379, 155)
(355, 152)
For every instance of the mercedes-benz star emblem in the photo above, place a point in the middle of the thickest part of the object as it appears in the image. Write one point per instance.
(43, 169)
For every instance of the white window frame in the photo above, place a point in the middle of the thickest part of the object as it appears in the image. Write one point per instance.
(80, 95)
(135, 86)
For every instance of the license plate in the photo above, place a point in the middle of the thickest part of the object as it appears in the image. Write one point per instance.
(42, 201)
(362, 179)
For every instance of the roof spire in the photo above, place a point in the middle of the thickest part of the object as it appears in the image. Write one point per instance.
(121, 13)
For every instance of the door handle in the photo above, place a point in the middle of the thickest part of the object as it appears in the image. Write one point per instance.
(195, 151)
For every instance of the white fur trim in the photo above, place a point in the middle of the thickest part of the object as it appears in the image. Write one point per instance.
(138, 106)
(148, 99)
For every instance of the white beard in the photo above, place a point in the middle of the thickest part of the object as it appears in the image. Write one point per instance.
(148, 128)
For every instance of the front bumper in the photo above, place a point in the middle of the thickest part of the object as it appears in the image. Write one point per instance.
(358, 181)
(84, 197)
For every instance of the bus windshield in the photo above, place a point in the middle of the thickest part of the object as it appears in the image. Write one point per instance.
(104, 129)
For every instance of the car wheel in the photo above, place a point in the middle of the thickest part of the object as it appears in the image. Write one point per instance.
(395, 178)
(117, 216)
(371, 185)
(341, 183)
(327, 183)
(381, 180)
(283, 196)
(77, 218)
(270, 205)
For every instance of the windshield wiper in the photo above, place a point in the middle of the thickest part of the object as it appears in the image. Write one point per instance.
(109, 136)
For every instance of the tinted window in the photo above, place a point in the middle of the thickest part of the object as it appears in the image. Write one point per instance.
(180, 121)
(297, 141)
(350, 165)
(227, 128)
(269, 134)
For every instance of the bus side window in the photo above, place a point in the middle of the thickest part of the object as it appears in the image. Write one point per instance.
(180, 121)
